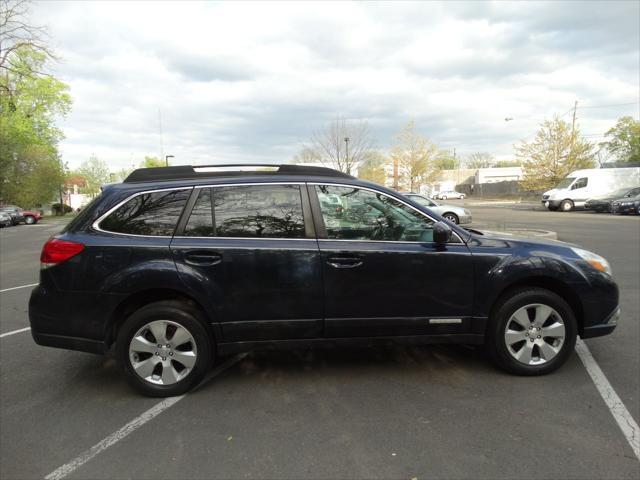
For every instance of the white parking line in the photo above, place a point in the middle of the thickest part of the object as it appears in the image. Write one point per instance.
(133, 425)
(13, 332)
(620, 413)
(17, 288)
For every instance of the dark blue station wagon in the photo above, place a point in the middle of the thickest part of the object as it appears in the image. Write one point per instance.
(177, 265)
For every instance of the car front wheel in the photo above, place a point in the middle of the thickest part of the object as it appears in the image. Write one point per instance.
(452, 217)
(29, 220)
(532, 331)
(566, 206)
(164, 348)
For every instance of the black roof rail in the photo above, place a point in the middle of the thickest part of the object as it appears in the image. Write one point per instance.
(191, 172)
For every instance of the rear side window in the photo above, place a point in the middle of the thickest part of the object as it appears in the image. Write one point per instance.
(200, 223)
(154, 214)
(258, 211)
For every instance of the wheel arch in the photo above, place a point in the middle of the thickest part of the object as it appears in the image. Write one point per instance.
(141, 298)
(554, 285)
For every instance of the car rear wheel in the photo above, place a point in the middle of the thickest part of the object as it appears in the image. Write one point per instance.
(452, 217)
(532, 331)
(29, 220)
(444, 197)
(566, 206)
(164, 348)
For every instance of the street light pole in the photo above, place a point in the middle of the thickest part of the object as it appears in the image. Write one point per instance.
(346, 142)
(166, 159)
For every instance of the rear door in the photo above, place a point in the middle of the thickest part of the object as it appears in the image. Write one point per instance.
(252, 249)
(383, 274)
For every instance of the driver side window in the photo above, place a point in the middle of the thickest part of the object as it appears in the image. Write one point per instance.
(580, 183)
(351, 213)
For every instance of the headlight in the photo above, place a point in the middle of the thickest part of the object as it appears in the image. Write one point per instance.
(596, 261)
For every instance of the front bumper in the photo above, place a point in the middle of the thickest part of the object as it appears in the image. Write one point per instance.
(465, 219)
(605, 206)
(625, 209)
(551, 203)
(605, 328)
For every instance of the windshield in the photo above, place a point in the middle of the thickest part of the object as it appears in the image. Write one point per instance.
(621, 192)
(427, 202)
(566, 182)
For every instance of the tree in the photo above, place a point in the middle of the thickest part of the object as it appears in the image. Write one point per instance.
(415, 157)
(480, 160)
(508, 163)
(330, 148)
(624, 140)
(307, 155)
(152, 162)
(445, 161)
(30, 101)
(373, 168)
(16, 36)
(96, 173)
(557, 150)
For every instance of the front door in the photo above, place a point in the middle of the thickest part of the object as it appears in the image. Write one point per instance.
(253, 249)
(383, 274)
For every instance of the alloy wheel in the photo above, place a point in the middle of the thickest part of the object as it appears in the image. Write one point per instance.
(534, 334)
(162, 352)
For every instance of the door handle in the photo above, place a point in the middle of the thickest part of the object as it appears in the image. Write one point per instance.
(344, 262)
(200, 258)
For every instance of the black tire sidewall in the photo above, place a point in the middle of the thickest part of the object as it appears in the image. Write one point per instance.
(454, 219)
(495, 334)
(177, 312)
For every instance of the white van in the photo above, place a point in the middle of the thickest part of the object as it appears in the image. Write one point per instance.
(581, 185)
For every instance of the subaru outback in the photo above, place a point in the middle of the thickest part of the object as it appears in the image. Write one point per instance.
(179, 265)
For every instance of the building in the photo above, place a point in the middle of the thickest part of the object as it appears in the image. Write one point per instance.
(498, 174)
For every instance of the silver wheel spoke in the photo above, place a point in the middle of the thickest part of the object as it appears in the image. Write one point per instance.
(159, 330)
(555, 330)
(513, 336)
(522, 318)
(169, 374)
(181, 336)
(548, 351)
(542, 314)
(145, 368)
(188, 359)
(141, 344)
(524, 354)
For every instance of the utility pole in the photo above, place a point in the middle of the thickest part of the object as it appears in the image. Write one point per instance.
(161, 135)
(573, 130)
(395, 172)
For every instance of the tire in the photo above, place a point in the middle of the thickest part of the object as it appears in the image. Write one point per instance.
(444, 197)
(566, 206)
(533, 362)
(160, 371)
(552, 209)
(452, 217)
(30, 220)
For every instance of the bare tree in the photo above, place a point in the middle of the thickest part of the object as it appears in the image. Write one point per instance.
(342, 145)
(16, 34)
(480, 160)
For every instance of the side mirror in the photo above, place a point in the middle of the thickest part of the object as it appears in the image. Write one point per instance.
(441, 233)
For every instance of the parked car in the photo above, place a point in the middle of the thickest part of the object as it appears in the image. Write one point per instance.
(626, 205)
(179, 263)
(14, 213)
(452, 213)
(19, 215)
(581, 185)
(449, 194)
(5, 219)
(603, 202)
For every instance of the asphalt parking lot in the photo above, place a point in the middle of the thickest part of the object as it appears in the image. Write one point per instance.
(396, 412)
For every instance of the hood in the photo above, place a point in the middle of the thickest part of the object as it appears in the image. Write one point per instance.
(505, 237)
(551, 192)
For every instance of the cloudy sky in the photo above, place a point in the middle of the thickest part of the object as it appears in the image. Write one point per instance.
(250, 82)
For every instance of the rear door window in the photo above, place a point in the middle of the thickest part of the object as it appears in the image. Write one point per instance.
(200, 223)
(258, 211)
(151, 214)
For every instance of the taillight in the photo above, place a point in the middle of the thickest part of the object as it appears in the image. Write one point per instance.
(56, 251)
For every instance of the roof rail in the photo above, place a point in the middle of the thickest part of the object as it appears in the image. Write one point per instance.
(190, 172)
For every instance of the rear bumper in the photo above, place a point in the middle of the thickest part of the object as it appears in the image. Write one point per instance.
(604, 328)
(68, 343)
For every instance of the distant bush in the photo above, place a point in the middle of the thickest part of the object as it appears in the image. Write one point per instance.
(56, 207)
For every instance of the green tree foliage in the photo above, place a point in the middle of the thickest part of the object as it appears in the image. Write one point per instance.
(624, 140)
(30, 168)
(96, 174)
(31, 172)
(372, 168)
(446, 161)
(508, 163)
(416, 158)
(152, 162)
(556, 151)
